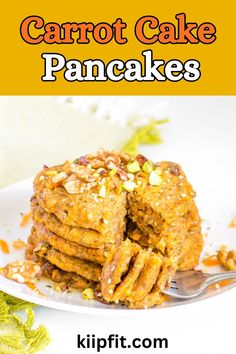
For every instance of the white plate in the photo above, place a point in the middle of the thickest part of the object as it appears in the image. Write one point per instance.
(205, 146)
(13, 201)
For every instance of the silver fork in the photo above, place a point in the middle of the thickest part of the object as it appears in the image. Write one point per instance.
(192, 283)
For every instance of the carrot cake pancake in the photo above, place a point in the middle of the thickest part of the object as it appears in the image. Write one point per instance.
(122, 224)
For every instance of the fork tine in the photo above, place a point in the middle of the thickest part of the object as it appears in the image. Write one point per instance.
(174, 287)
(171, 292)
(187, 284)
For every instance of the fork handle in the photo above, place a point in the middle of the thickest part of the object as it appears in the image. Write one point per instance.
(214, 278)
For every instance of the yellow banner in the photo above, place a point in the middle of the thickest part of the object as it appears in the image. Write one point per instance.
(124, 48)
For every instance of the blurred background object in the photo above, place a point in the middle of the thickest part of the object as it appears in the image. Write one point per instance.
(38, 130)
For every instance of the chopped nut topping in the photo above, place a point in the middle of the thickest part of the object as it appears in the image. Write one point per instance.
(227, 258)
(131, 176)
(18, 277)
(147, 167)
(111, 165)
(158, 170)
(51, 173)
(101, 171)
(61, 176)
(124, 156)
(72, 187)
(22, 271)
(133, 167)
(155, 179)
(88, 294)
(129, 186)
(113, 172)
(102, 192)
(174, 169)
(61, 287)
(96, 163)
(83, 173)
(82, 161)
(141, 159)
(114, 159)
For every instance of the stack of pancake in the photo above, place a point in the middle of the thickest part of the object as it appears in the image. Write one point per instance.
(114, 223)
(73, 228)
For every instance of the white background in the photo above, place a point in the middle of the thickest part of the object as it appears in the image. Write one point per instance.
(202, 138)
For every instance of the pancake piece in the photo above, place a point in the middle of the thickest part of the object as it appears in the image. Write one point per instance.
(38, 250)
(68, 247)
(131, 273)
(85, 193)
(190, 252)
(126, 287)
(86, 269)
(116, 266)
(85, 237)
(59, 276)
(164, 215)
(147, 277)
